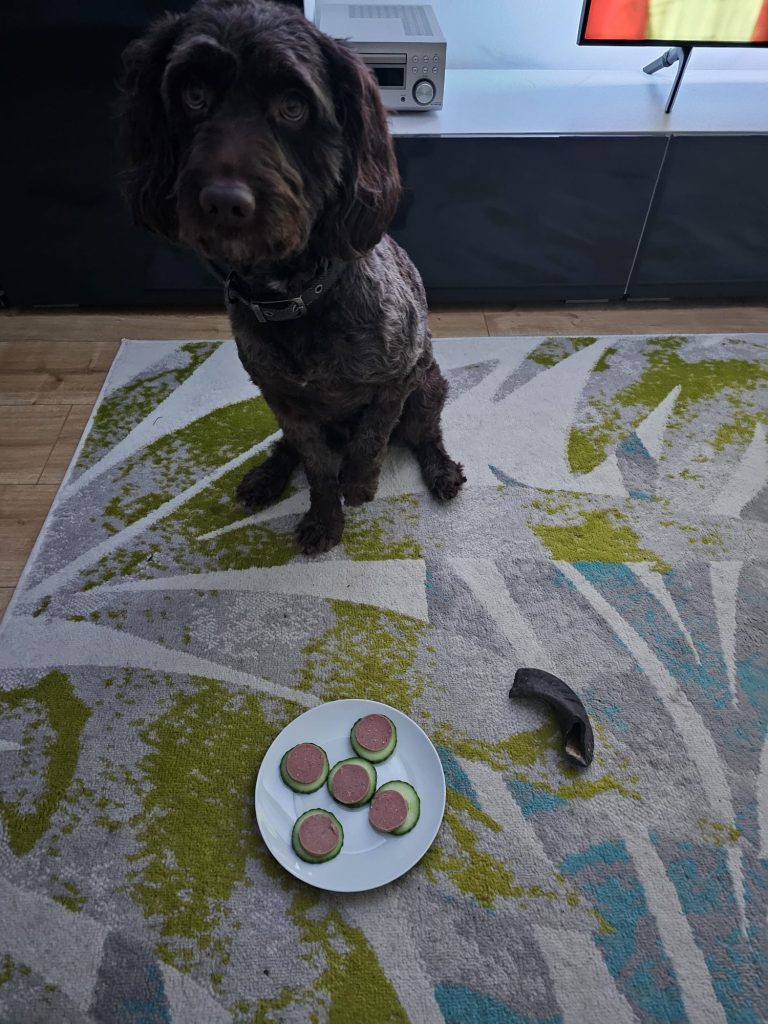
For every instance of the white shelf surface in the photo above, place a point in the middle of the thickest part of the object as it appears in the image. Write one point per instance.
(533, 102)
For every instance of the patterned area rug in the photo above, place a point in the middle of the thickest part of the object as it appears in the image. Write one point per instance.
(613, 531)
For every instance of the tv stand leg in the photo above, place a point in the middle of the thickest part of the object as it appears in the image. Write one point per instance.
(676, 55)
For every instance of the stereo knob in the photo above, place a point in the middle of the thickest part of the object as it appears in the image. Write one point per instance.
(424, 92)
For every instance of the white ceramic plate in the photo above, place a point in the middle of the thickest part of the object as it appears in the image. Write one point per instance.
(368, 858)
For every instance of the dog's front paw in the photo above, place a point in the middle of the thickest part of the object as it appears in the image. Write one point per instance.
(448, 480)
(359, 492)
(359, 481)
(259, 487)
(319, 533)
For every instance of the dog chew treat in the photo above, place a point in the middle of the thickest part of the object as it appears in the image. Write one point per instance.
(304, 768)
(395, 808)
(373, 738)
(352, 782)
(317, 836)
(576, 729)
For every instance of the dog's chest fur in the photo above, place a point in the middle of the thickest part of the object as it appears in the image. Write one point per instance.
(370, 329)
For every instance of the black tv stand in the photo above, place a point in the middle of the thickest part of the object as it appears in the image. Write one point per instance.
(677, 54)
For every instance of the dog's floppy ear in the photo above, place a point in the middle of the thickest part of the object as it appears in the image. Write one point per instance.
(370, 187)
(146, 148)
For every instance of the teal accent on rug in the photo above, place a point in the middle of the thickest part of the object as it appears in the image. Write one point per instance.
(613, 531)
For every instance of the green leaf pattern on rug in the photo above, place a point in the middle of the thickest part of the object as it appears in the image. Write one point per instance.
(194, 840)
(177, 460)
(255, 545)
(176, 538)
(72, 897)
(554, 350)
(215, 507)
(531, 749)
(597, 536)
(369, 652)
(457, 854)
(473, 871)
(65, 716)
(369, 538)
(526, 748)
(6, 970)
(611, 418)
(477, 873)
(351, 984)
(128, 405)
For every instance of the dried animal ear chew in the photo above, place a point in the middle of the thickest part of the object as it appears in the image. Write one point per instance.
(576, 729)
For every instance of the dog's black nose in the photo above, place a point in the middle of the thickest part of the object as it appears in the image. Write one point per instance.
(227, 204)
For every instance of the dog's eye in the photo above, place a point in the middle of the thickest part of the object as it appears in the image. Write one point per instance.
(293, 107)
(195, 97)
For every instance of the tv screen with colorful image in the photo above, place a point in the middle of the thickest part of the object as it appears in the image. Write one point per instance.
(670, 22)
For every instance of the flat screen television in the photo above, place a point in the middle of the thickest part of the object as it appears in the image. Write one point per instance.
(674, 23)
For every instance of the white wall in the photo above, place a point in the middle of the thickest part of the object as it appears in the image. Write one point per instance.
(542, 34)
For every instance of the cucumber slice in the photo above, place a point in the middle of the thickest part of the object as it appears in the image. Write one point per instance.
(411, 797)
(370, 772)
(299, 850)
(375, 756)
(303, 787)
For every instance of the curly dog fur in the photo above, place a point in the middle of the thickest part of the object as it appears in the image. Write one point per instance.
(251, 137)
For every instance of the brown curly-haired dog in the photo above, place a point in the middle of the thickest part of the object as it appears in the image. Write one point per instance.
(253, 138)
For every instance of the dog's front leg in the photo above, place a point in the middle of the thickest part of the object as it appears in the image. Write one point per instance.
(322, 527)
(365, 452)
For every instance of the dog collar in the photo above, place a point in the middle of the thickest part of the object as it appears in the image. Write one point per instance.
(269, 311)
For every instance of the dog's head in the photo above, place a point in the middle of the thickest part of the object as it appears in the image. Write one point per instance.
(250, 136)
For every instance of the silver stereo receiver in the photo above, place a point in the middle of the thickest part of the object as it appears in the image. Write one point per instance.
(402, 45)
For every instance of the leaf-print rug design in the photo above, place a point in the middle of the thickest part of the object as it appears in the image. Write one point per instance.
(613, 531)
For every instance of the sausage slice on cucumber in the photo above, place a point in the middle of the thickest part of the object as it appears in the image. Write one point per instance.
(317, 836)
(395, 808)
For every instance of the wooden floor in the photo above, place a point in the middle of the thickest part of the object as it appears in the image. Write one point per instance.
(52, 366)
